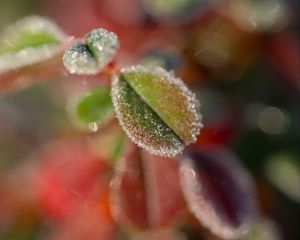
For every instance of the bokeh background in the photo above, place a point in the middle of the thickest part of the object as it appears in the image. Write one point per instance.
(241, 57)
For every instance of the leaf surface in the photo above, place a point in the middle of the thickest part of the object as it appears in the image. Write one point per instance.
(145, 190)
(156, 110)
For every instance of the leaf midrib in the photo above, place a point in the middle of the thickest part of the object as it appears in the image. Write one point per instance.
(122, 78)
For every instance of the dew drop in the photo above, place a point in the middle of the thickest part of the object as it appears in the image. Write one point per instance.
(93, 126)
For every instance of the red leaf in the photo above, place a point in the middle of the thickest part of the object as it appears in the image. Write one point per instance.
(68, 174)
(145, 190)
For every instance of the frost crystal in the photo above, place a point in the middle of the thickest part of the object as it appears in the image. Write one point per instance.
(91, 57)
(156, 110)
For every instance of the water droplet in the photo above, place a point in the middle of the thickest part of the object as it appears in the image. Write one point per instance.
(93, 126)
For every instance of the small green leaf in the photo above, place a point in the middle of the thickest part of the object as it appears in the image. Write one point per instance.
(27, 38)
(156, 110)
(29, 41)
(94, 106)
(91, 57)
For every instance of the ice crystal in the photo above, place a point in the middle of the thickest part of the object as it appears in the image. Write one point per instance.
(92, 56)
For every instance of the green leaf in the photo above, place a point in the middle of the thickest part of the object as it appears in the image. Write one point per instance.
(94, 106)
(156, 110)
(91, 57)
(29, 41)
(27, 38)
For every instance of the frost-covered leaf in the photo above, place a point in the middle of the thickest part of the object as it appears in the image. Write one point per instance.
(78, 59)
(103, 45)
(29, 41)
(145, 190)
(93, 55)
(218, 191)
(156, 109)
(93, 107)
(30, 50)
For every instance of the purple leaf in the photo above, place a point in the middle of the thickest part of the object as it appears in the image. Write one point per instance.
(218, 191)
